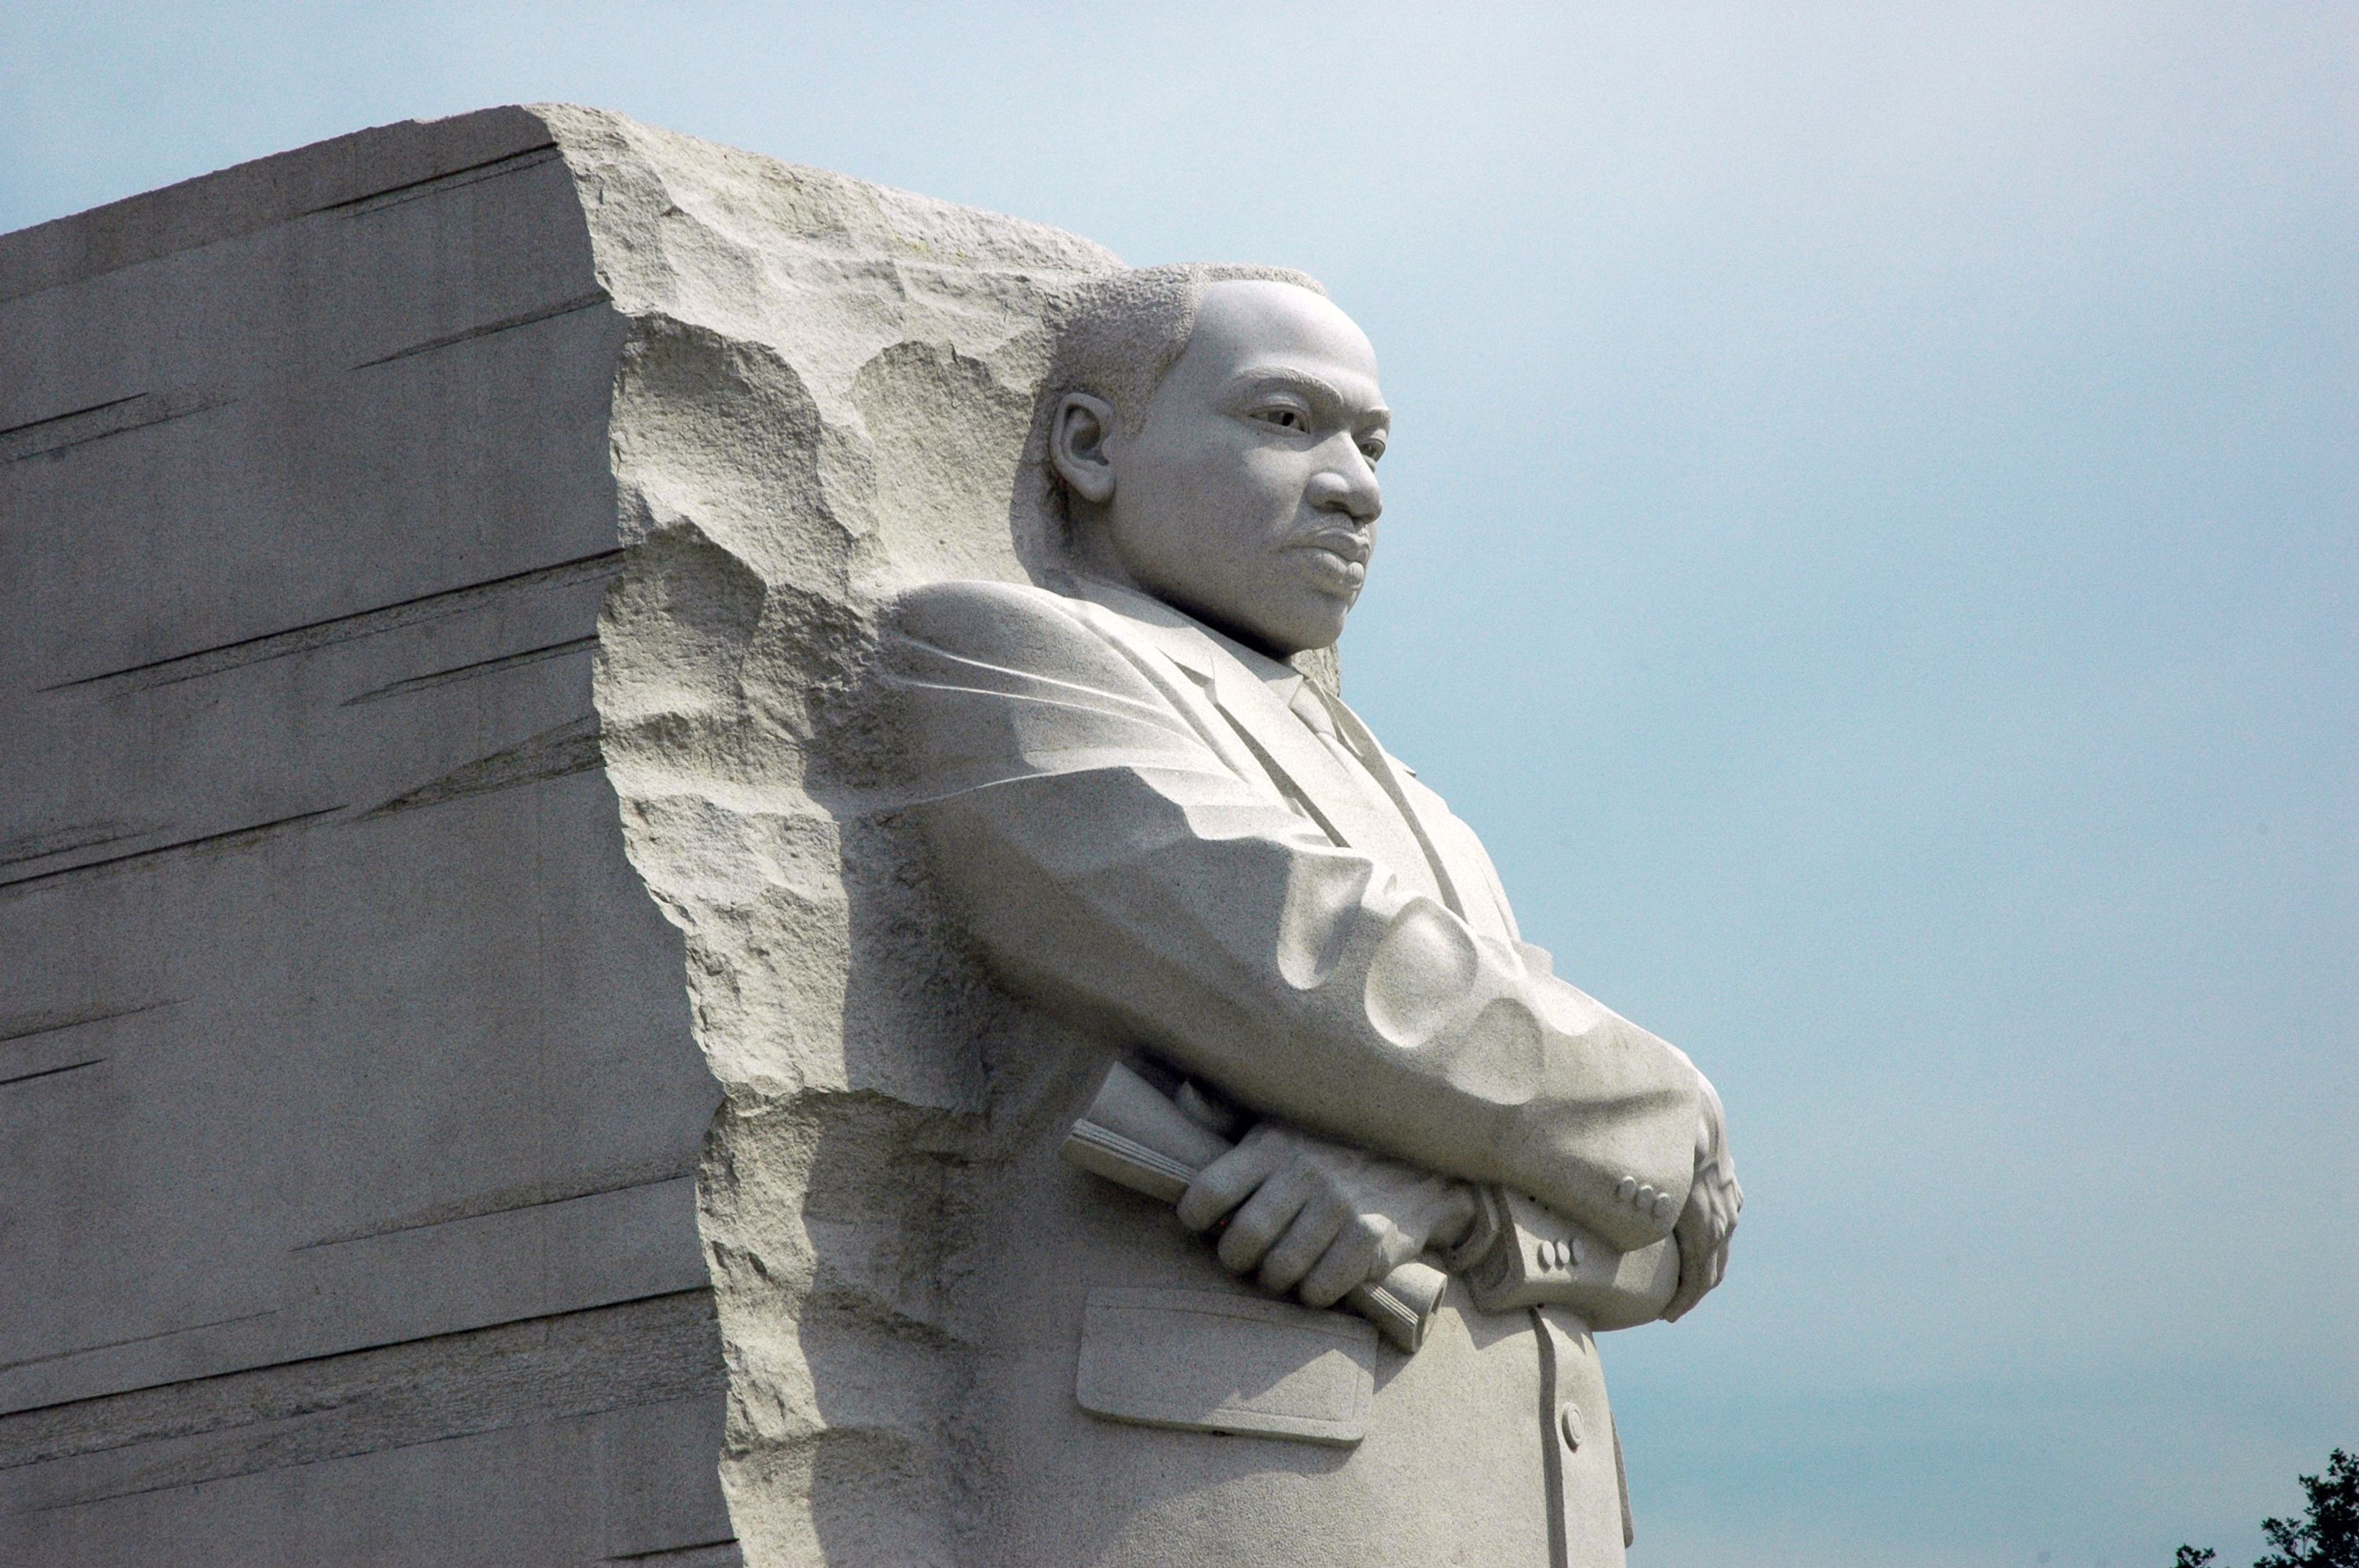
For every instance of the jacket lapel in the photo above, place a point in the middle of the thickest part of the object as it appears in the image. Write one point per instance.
(1463, 860)
(1351, 809)
(1436, 829)
(1464, 865)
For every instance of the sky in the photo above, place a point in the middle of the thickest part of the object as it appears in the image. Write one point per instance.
(1871, 544)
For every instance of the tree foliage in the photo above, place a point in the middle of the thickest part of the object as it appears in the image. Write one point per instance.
(2327, 1538)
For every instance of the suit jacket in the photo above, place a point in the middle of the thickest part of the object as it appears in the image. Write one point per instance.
(1152, 846)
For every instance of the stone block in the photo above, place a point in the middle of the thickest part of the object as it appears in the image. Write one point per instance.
(477, 1074)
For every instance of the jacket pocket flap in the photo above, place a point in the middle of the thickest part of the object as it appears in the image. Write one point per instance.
(1203, 1361)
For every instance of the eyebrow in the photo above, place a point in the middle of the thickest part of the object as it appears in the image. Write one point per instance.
(1315, 386)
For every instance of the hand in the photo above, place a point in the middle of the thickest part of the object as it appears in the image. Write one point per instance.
(1318, 1218)
(1714, 1200)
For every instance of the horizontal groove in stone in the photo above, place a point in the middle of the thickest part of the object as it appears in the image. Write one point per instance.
(203, 661)
(228, 838)
(117, 416)
(47, 419)
(554, 754)
(473, 671)
(135, 1339)
(51, 1072)
(48, 845)
(250, 198)
(504, 324)
(720, 1553)
(486, 1205)
(654, 1350)
(28, 1027)
(435, 184)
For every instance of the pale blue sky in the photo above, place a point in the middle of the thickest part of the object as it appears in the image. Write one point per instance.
(1870, 542)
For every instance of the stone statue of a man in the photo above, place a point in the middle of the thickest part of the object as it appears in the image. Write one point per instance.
(1183, 854)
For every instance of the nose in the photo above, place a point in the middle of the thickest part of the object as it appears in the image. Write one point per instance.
(1348, 487)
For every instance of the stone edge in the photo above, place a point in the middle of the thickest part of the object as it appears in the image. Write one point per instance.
(249, 197)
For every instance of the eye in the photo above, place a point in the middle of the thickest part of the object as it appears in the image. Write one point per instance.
(1284, 417)
(1372, 447)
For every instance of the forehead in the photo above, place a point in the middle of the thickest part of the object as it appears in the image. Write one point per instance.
(1245, 326)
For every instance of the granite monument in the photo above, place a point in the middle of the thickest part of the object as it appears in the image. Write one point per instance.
(684, 883)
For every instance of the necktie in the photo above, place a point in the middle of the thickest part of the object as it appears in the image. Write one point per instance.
(1373, 777)
(1313, 712)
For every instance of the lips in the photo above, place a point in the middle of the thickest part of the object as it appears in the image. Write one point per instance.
(1340, 559)
(1349, 544)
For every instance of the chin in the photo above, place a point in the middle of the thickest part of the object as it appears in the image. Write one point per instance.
(1305, 627)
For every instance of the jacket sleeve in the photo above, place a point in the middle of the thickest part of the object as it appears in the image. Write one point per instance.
(1113, 866)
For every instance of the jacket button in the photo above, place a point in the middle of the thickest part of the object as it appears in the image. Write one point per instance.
(1568, 1421)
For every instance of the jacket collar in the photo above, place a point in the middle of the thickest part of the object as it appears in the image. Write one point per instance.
(1186, 641)
(1253, 691)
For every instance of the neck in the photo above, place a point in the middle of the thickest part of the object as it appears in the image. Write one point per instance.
(1091, 552)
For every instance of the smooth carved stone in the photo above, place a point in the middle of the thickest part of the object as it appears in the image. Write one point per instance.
(1204, 1362)
(1169, 842)
(1569, 1422)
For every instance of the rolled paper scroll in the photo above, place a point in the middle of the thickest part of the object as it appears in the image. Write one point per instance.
(1134, 1136)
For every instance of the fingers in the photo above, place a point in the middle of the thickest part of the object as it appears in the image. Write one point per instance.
(1714, 1268)
(1230, 1179)
(1305, 1243)
(1356, 1255)
(1261, 1219)
(1314, 1218)
(1683, 1300)
(1446, 1223)
(1703, 1231)
(1691, 1290)
(1703, 1253)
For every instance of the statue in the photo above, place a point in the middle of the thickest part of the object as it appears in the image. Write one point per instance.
(1259, 1211)
(1270, 976)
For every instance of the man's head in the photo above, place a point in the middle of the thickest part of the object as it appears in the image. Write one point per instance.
(1215, 432)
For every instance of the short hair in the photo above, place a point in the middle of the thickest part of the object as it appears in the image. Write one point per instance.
(1118, 335)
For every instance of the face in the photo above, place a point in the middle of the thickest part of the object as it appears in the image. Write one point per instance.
(1248, 497)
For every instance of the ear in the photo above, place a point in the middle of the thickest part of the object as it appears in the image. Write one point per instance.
(1077, 447)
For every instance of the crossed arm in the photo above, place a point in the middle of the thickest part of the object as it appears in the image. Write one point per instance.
(1115, 866)
(1316, 1218)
